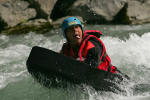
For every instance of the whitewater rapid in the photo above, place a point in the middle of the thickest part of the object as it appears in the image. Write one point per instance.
(131, 56)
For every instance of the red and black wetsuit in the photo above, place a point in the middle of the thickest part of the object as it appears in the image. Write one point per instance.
(91, 51)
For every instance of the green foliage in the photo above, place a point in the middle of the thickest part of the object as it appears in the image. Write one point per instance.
(23, 29)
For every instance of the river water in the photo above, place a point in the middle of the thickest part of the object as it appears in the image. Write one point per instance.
(128, 47)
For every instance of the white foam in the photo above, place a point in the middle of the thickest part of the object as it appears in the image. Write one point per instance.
(6, 78)
(135, 50)
(3, 39)
(135, 98)
(13, 53)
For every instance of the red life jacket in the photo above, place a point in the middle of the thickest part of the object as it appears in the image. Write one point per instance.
(104, 61)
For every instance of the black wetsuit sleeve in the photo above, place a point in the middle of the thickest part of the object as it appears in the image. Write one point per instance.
(93, 55)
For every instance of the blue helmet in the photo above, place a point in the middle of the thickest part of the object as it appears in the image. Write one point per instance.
(71, 21)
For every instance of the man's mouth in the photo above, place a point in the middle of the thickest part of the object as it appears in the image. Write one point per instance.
(76, 36)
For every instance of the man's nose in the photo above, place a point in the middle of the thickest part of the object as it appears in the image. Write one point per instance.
(75, 28)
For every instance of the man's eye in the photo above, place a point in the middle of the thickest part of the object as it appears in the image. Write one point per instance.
(76, 26)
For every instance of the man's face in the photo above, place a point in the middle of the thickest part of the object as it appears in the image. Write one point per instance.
(74, 34)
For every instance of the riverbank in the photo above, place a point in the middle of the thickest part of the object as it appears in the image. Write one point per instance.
(23, 16)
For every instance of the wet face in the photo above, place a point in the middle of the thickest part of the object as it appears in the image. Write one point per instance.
(74, 34)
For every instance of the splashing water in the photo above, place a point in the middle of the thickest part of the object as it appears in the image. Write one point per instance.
(131, 56)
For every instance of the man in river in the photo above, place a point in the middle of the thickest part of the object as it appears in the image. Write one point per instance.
(85, 45)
